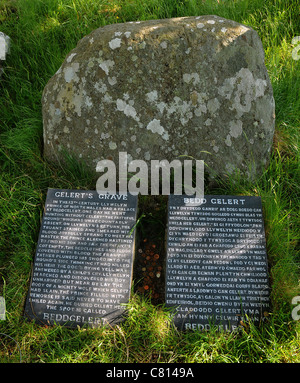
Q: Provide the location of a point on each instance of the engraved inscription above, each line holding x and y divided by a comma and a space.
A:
216, 261
83, 264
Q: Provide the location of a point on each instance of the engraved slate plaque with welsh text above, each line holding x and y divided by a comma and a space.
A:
84, 258
216, 267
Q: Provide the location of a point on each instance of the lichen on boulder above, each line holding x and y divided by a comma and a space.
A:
159, 89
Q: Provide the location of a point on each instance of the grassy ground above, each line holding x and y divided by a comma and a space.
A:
42, 33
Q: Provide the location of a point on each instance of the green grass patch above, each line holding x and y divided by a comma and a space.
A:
42, 33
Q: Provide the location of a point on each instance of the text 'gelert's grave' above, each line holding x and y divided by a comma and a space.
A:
83, 265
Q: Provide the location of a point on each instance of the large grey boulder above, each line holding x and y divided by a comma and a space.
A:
159, 89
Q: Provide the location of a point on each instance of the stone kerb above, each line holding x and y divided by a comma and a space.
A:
4, 48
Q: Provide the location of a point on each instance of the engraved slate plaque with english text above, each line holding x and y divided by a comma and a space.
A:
82, 270
216, 267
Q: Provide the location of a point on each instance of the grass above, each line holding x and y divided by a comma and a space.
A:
42, 33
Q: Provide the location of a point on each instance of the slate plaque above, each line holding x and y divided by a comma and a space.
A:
216, 267
83, 264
